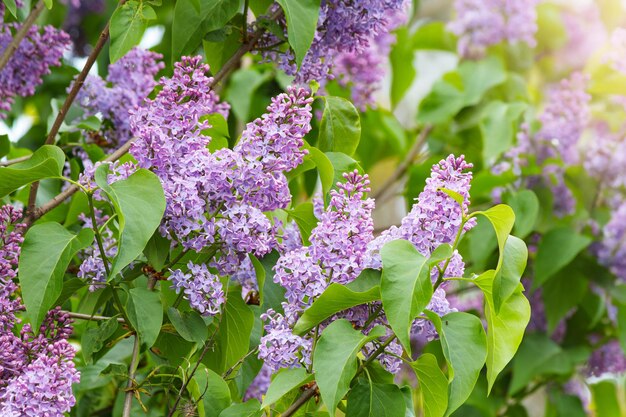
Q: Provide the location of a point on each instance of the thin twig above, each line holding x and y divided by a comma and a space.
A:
21, 34
383, 192
302, 399
207, 346
81, 316
14, 161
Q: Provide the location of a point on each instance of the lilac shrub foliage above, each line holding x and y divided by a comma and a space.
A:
36, 368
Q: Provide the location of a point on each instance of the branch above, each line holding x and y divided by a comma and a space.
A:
306, 396
383, 192
81, 316
15, 161
21, 34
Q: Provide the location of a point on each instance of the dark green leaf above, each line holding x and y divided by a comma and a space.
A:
5, 145
213, 390
128, 23
340, 129
139, 203
46, 162
302, 18
247, 409
189, 325
46, 253
93, 339
194, 18
337, 297
285, 381
557, 248
464, 346
334, 359
375, 400
145, 313
157, 250
405, 288
535, 351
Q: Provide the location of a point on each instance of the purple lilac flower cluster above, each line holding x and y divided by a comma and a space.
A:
482, 23
609, 358
36, 370
216, 200
38, 51
342, 245
351, 41
611, 251
128, 83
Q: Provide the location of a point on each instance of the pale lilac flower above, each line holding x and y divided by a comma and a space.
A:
200, 287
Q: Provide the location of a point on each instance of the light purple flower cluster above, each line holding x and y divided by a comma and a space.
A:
605, 157
349, 32
336, 254
609, 358
92, 268
611, 251
202, 288
36, 371
585, 35
342, 245
482, 23
128, 83
38, 51
216, 201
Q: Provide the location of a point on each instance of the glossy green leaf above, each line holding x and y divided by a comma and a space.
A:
302, 16
46, 162
11, 7
145, 313
189, 325
557, 248
334, 359
247, 409
139, 202
340, 128
375, 400
525, 205
513, 266
92, 340
305, 219
210, 391
433, 385
464, 345
156, 251
5, 145
505, 329
128, 23
46, 253
342, 163
233, 336
195, 18
325, 168
337, 297
406, 288
285, 381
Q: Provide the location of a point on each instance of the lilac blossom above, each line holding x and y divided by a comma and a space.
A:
482, 23
128, 83
202, 288
609, 358
38, 51
259, 385
611, 251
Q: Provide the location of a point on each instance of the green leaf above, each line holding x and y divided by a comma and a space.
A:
284, 382
505, 329
218, 131
260, 273
502, 218
145, 313
342, 163
525, 205
189, 325
139, 203
337, 297
606, 398
402, 71
241, 88
433, 385
5, 145
46, 162
464, 346
375, 400
405, 288
195, 18
557, 248
128, 23
304, 218
499, 126
562, 293
334, 359
91, 123
340, 128
434, 35
302, 18
210, 391
93, 338
46, 253
233, 336
534, 353
48, 4
325, 168
157, 250
247, 409
11, 6
513, 265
